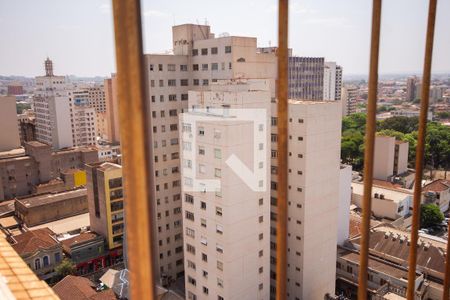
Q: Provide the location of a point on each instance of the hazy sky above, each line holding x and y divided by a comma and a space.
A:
78, 34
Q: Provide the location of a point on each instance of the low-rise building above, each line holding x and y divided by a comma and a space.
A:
21, 170
390, 157
50, 207
80, 288
437, 192
386, 202
40, 250
87, 251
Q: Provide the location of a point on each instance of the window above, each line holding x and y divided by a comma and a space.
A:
220, 283
194, 52
192, 281
37, 263
191, 264
205, 290
161, 83
151, 67
219, 229
173, 112
201, 131
57, 257
190, 232
202, 205
204, 257
160, 67
220, 265
183, 68
214, 50
218, 153
214, 66
184, 97
201, 150
204, 51
189, 215
184, 82
195, 67
204, 67
196, 82
203, 222
205, 81
218, 211
46, 261
190, 248
229, 65
227, 49
171, 82
171, 67
217, 172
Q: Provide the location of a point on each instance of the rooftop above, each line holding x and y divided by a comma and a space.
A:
45, 199
31, 241
438, 185
67, 224
390, 194
79, 239
80, 288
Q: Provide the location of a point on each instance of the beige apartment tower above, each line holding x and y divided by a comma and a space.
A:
198, 60
9, 130
390, 157
226, 218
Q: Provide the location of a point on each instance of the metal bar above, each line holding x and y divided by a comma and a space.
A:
446, 293
369, 149
134, 140
282, 126
420, 149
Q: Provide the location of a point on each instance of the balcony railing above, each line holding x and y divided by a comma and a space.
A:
137, 158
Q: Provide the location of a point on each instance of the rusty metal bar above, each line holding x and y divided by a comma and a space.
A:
282, 106
446, 293
369, 149
134, 140
420, 149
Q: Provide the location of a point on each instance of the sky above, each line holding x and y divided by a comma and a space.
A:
78, 34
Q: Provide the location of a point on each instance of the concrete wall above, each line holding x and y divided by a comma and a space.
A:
383, 165
345, 195
402, 157
9, 131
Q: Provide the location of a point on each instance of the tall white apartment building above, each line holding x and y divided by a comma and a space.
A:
53, 110
332, 81
314, 129
348, 100
198, 59
226, 218
83, 118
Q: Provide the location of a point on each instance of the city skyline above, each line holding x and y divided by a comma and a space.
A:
83, 32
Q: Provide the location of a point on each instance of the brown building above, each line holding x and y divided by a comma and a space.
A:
15, 89
112, 109
40, 250
27, 126
50, 207
20, 171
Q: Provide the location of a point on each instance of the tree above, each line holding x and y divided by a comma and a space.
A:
430, 215
66, 267
401, 124
389, 132
21, 106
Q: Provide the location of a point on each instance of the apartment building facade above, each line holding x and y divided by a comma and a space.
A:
225, 220
306, 78
198, 60
52, 109
332, 81
348, 99
83, 117
313, 194
105, 202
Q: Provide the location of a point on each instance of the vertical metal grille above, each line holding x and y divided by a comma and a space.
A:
282, 95
134, 141
134, 134
420, 149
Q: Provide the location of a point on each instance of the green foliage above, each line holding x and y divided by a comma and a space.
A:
437, 148
384, 108
443, 115
66, 267
430, 215
21, 106
401, 124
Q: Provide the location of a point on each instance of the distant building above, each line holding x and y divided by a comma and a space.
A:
437, 192
84, 118
332, 81
27, 126
386, 202
53, 109
9, 132
411, 93
112, 111
390, 157
46, 208
15, 89
349, 96
40, 250
105, 201
21, 170
306, 78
